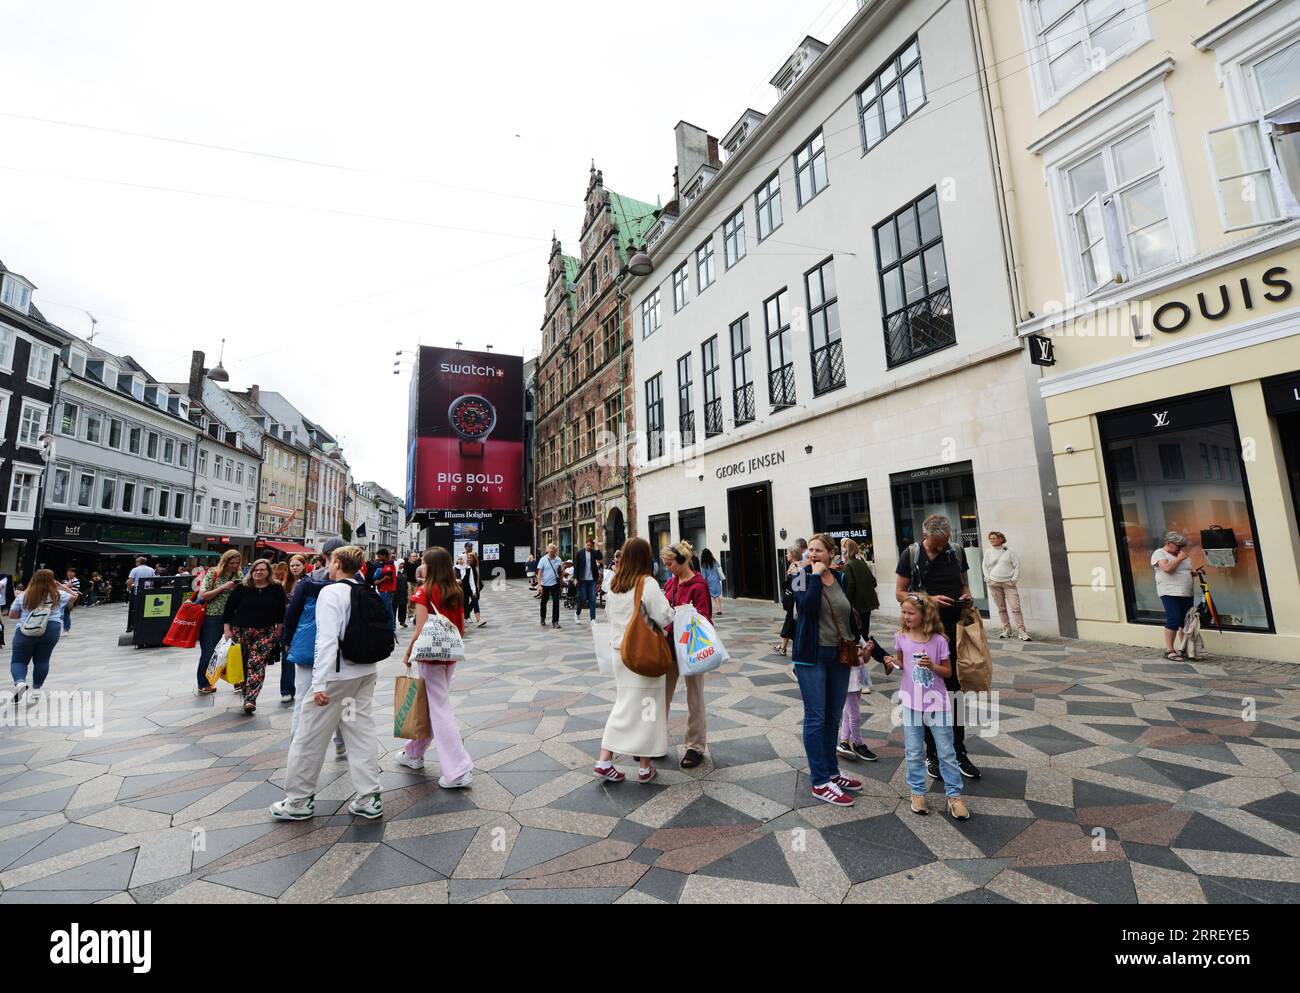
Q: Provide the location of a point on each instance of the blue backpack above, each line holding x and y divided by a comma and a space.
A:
302, 648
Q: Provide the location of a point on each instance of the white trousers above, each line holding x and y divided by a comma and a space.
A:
301, 694
351, 712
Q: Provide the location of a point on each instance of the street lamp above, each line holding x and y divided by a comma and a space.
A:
218, 372
640, 264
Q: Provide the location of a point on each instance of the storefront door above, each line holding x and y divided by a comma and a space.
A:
753, 549
948, 491
1282, 395
661, 532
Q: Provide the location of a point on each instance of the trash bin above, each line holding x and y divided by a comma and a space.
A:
154, 607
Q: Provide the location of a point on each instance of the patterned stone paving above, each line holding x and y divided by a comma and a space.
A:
1114, 777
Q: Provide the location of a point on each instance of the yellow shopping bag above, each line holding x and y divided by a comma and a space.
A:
234, 673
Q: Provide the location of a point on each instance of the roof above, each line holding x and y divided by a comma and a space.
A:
571, 267
634, 218
33, 314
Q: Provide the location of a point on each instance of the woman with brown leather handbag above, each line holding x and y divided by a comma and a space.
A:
639, 615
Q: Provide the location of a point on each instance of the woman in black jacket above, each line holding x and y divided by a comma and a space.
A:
253, 619
787, 599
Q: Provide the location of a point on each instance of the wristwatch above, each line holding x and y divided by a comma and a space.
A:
473, 418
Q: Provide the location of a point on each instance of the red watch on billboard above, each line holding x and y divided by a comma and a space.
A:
473, 418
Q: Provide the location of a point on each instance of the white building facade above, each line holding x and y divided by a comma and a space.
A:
827, 341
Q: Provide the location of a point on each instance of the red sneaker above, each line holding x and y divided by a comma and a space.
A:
832, 794
845, 783
611, 774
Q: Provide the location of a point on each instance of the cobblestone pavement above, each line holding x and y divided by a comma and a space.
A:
1113, 776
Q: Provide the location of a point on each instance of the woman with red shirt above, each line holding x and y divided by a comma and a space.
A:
443, 591
688, 586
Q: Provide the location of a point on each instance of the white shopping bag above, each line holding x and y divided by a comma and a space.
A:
600, 634
699, 649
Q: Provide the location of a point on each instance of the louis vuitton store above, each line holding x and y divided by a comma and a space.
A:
1195, 429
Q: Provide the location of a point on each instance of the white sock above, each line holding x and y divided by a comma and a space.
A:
603, 765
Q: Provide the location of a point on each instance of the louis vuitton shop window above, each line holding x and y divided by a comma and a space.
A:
1176, 466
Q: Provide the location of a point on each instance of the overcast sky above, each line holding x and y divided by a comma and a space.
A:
464, 130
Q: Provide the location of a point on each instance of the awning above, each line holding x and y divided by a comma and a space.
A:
86, 547
161, 551
289, 548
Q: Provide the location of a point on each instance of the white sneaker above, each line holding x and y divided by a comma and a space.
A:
410, 763
285, 699
34, 696
294, 810
20, 689
480, 623
1024, 635
459, 783
370, 807
1005, 632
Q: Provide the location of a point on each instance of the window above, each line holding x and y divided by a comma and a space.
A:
7, 339
1171, 462
591, 431
810, 168
164, 501
824, 326
704, 269
1119, 217
685, 408
128, 497
146, 501
234, 515
610, 347
203, 462
68, 422
733, 238
742, 373
230, 469
216, 466
179, 502
767, 206
611, 418
32, 425
184, 456
115, 433
214, 513
108, 493
133, 440
650, 315
239, 473
198, 510
1075, 39
681, 287
22, 491
15, 294
892, 95
169, 451
225, 513
40, 366
588, 364
780, 357
151, 446
86, 489
59, 489
654, 417
712, 394
913, 283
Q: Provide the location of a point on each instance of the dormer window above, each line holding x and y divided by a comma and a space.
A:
126, 383
16, 292
95, 369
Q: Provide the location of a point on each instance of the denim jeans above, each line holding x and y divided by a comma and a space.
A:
34, 652
940, 726
210, 632
288, 679
388, 604
67, 618
587, 594
823, 684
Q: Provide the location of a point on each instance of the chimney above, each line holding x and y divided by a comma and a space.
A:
697, 158
196, 376
254, 394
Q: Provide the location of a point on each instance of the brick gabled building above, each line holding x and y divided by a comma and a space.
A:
584, 485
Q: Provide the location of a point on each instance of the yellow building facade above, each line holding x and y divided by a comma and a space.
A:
1149, 153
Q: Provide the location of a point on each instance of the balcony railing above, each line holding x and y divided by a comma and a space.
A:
713, 417
780, 387
743, 401
687, 425
926, 326
828, 368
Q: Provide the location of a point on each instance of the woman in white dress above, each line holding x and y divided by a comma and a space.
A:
638, 724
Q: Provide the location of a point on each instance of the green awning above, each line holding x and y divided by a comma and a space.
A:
164, 551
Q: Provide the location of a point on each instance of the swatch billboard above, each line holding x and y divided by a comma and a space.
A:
467, 432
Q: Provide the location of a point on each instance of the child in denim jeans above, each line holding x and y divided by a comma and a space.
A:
921, 648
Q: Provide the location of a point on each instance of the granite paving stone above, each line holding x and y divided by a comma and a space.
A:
1112, 775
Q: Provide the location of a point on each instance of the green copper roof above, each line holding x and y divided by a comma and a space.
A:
634, 218
571, 267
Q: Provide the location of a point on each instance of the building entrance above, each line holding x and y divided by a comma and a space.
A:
751, 571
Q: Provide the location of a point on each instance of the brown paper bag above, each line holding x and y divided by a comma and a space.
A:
411, 709
974, 660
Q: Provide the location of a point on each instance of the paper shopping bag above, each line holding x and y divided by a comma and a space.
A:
601, 638
699, 650
974, 660
234, 674
411, 709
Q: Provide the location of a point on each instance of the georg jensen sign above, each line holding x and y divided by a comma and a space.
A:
743, 468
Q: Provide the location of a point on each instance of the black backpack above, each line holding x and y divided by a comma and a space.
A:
368, 638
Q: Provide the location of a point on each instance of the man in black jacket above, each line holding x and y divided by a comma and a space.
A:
586, 570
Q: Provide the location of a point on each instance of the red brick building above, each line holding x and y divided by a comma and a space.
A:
585, 395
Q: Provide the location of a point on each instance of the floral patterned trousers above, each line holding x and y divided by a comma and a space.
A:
257, 644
